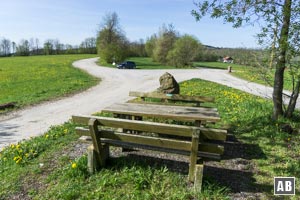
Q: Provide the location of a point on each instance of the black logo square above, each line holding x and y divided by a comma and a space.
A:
284, 185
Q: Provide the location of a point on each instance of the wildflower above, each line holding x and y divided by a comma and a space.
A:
46, 136
18, 146
65, 131
17, 159
12, 146
74, 165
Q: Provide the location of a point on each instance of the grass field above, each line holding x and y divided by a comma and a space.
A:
29, 80
263, 76
46, 168
218, 65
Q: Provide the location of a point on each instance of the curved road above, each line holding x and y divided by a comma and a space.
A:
114, 87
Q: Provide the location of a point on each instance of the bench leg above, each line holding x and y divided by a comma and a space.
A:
194, 155
93, 164
100, 152
198, 177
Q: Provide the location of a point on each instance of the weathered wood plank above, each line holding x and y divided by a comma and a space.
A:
194, 155
152, 127
198, 177
176, 97
213, 134
91, 162
93, 128
181, 113
211, 148
146, 140
171, 129
210, 155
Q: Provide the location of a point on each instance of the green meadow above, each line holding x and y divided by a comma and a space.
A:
30, 80
47, 167
259, 75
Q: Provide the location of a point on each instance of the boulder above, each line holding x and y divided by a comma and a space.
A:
168, 84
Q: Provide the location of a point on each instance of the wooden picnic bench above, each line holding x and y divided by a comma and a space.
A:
199, 144
172, 97
199, 115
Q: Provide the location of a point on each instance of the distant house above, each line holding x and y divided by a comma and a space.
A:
227, 59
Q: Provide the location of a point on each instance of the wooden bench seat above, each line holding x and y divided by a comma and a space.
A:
197, 145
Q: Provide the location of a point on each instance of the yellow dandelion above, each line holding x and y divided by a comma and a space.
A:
46, 136
66, 131
74, 165
18, 160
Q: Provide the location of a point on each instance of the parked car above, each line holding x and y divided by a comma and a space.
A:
127, 65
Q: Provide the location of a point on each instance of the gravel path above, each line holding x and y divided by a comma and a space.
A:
114, 87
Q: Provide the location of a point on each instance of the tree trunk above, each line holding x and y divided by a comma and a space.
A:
293, 100
277, 93
280, 66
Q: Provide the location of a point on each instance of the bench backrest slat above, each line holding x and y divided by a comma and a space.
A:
176, 97
146, 140
118, 139
206, 148
171, 129
152, 127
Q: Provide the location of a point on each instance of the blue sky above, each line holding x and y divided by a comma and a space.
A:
71, 21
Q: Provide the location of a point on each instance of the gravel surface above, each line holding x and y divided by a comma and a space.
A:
113, 88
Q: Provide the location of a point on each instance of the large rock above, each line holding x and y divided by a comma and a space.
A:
168, 84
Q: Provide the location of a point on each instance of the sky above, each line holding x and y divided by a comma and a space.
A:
71, 21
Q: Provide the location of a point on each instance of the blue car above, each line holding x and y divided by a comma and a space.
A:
127, 65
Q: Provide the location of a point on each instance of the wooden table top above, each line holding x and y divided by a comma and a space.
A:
181, 113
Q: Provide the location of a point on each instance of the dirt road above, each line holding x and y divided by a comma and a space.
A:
114, 87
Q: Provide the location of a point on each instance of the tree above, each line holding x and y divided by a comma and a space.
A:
58, 47
184, 51
88, 45
137, 49
150, 45
278, 19
164, 43
5, 47
49, 47
23, 48
34, 46
112, 44
14, 47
